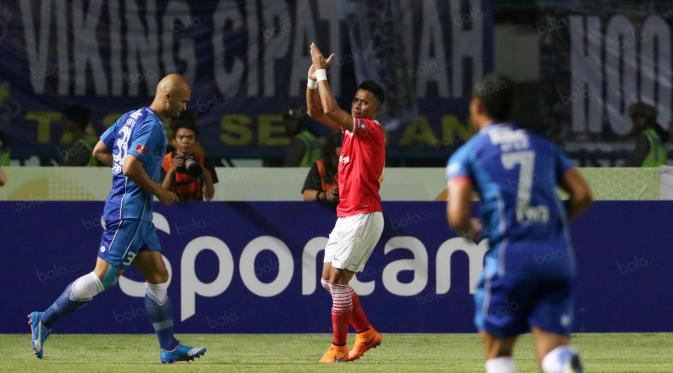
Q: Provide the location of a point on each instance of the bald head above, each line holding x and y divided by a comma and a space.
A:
172, 95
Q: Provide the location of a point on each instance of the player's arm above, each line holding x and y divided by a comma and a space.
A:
134, 170
313, 104
167, 182
330, 108
102, 153
580, 196
458, 212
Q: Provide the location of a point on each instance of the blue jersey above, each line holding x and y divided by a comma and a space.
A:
515, 174
141, 134
529, 269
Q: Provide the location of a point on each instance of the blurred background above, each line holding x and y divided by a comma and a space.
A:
70, 68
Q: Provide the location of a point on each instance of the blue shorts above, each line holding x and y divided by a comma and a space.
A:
531, 287
123, 239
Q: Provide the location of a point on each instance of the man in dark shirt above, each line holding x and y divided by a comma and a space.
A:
79, 151
321, 183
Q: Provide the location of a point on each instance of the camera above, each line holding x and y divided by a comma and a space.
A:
191, 166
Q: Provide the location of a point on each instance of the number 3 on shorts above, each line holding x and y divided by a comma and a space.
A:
129, 258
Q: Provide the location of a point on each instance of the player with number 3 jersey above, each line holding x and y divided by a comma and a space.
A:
134, 148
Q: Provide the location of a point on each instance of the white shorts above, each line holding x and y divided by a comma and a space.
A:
352, 240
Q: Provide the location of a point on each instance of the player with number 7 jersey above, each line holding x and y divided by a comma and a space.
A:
529, 269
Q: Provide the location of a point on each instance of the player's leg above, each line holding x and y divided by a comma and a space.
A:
551, 322
364, 232
150, 264
358, 320
157, 304
81, 291
501, 312
498, 353
554, 353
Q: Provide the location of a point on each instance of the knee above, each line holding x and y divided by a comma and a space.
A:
338, 276
325, 285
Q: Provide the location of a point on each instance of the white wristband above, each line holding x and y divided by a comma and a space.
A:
321, 74
311, 84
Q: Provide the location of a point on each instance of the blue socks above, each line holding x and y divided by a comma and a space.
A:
75, 296
61, 307
158, 308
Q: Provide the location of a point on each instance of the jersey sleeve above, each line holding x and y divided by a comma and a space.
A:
366, 129
108, 137
459, 166
143, 140
563, 164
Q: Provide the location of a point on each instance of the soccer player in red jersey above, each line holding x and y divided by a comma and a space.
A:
359, 219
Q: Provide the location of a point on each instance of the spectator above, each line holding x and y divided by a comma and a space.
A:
650, 150
184, 168
305, 146
79, 151
321, 182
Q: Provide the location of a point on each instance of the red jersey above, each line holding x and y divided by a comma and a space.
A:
363, 156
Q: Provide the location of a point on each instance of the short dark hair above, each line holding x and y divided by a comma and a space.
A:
78, 114
375, 88
187, 120
495, 91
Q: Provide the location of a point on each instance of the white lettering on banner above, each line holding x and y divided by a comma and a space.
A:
275, 39
86, 47
432, 40
142, 46
606, 64
115, 50
252, 26
303, 35
228, 81
247, 266
309, 278
419, 266
475, 255
191, 285
142, 41
177, 13
620, 73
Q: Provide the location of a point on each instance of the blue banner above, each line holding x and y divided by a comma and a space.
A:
254, 268
247, 60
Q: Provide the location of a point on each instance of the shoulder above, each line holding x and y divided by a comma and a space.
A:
366, 123
468, 149
540, 143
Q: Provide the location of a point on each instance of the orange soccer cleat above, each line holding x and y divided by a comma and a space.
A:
365, 341
335, 354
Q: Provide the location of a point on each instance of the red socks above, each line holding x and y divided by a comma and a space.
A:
358, 318
342, 309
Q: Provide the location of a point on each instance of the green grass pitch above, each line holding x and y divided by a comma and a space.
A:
613, 353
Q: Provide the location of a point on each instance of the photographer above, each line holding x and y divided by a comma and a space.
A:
321, 183
184, 168
305, 145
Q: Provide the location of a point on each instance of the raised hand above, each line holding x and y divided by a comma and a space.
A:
318, 60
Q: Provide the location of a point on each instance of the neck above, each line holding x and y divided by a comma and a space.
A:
158, 110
